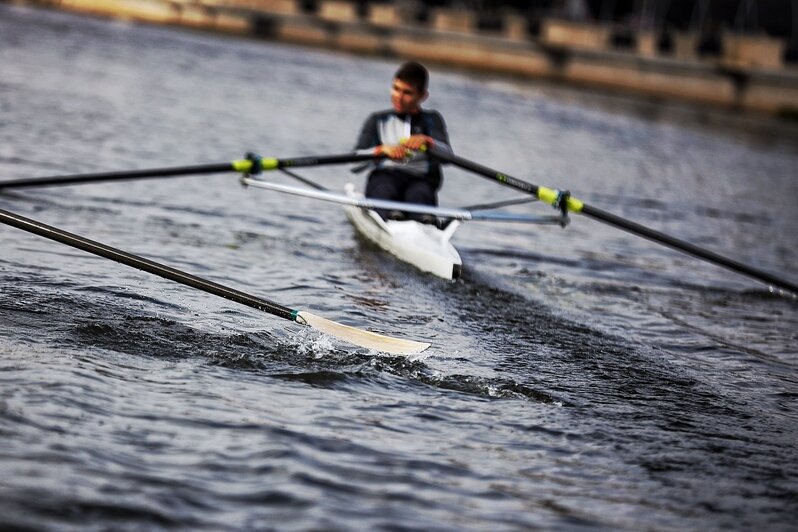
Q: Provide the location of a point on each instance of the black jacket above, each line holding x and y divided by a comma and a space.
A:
386, 127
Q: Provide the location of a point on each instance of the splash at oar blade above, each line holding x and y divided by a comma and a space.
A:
360, 337
346, 333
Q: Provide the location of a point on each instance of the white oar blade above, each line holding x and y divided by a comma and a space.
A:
359, 337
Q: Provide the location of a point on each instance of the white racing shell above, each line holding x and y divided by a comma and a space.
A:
424, 246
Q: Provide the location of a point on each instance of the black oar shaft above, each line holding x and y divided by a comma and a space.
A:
117, 176
123, 257
686, 247
344, 158
490, 173
624, 224
253, 164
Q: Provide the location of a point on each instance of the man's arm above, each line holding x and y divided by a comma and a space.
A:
439, 134
438, 138
369, 137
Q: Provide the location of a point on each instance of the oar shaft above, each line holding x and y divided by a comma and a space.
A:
575, 205
686, 247
117, 255
547, 195
320, 160
241, 165
117, 176
490, 173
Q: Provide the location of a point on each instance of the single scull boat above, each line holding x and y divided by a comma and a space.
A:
425, 246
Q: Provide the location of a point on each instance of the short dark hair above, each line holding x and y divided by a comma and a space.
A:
414, 74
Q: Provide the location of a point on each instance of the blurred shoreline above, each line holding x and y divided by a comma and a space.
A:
748, 79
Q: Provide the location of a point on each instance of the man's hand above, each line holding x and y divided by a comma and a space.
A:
394, 152
417, 142
402, 151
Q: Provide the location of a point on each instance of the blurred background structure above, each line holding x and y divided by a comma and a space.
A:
734, 54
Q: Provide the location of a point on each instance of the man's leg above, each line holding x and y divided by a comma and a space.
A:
423, 192
387, 185
384, 185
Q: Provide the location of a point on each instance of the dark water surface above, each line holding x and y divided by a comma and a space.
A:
579, 378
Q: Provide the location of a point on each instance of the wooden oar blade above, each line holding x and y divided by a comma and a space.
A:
359, 337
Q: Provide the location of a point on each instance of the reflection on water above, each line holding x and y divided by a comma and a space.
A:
578, 378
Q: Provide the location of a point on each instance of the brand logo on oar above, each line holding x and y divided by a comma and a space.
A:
303, 161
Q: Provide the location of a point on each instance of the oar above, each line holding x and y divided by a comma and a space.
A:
252, 164
344, 332
564, 201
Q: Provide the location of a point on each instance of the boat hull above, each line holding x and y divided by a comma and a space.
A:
424, 246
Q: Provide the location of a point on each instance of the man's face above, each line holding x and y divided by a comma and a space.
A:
405, 98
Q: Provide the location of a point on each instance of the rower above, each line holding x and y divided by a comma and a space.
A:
401, 133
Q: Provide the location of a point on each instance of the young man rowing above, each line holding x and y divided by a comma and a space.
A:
407, 174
